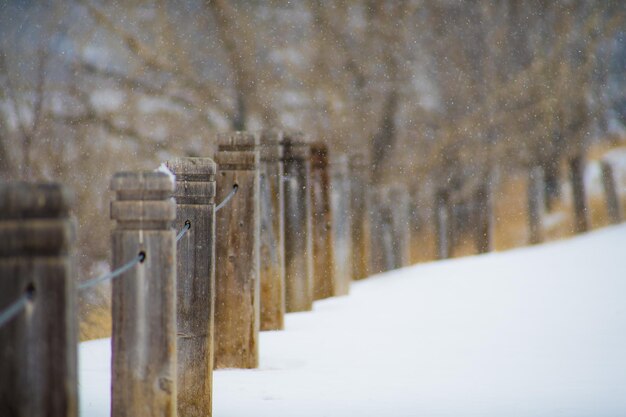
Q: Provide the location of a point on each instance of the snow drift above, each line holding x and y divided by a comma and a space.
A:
535, 331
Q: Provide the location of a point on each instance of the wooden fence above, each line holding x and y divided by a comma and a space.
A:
194, 283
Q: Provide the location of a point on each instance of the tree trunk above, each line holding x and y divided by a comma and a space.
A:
613, 203
552, 189
484, 218
536, 205
443, 227
577, 169
385, 138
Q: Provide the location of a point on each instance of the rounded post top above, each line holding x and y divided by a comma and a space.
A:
237, 141
294, 138
295, 147
143, 198
237, 151
51, 231
143, 185
271, 146
193, 169
195, 180
23, 200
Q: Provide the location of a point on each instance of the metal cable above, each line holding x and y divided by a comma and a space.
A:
14, 309
119, 271
113, 274
184, 230
228, 197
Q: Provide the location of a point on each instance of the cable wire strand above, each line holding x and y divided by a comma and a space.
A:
228, 197
137, 259
14, 309
113, 274
184, 230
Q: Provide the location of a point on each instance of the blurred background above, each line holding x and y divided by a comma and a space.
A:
441, 95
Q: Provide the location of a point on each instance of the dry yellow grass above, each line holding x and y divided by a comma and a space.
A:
509, 210
95, 322
510, 229
423, 247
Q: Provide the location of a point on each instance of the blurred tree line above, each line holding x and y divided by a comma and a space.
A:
444, 94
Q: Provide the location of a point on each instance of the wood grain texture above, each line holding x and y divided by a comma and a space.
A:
298, 236
143, 343
195, 283
237, 279
324, 281
272, 239
340, 197
38, 359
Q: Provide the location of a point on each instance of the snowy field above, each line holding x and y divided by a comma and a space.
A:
536, 331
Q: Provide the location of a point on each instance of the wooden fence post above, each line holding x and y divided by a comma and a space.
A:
443, 224
536, 205
340, 197
398, 203
613, 203
143, 361
195, 282
484, 218
576, 168
298, 236
237, 279
360, 217
323, 252
38, 345
272, 232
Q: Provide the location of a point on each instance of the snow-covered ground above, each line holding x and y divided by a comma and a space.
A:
537, 331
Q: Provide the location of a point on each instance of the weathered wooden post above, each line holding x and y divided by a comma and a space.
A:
442, 224
340, 197
298, 236
360, 217
484, 217
398, 203
143, 376
195, 282
272, 232
323, 252
613, 203
536, 205
577, 168
38, 344
237, 279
